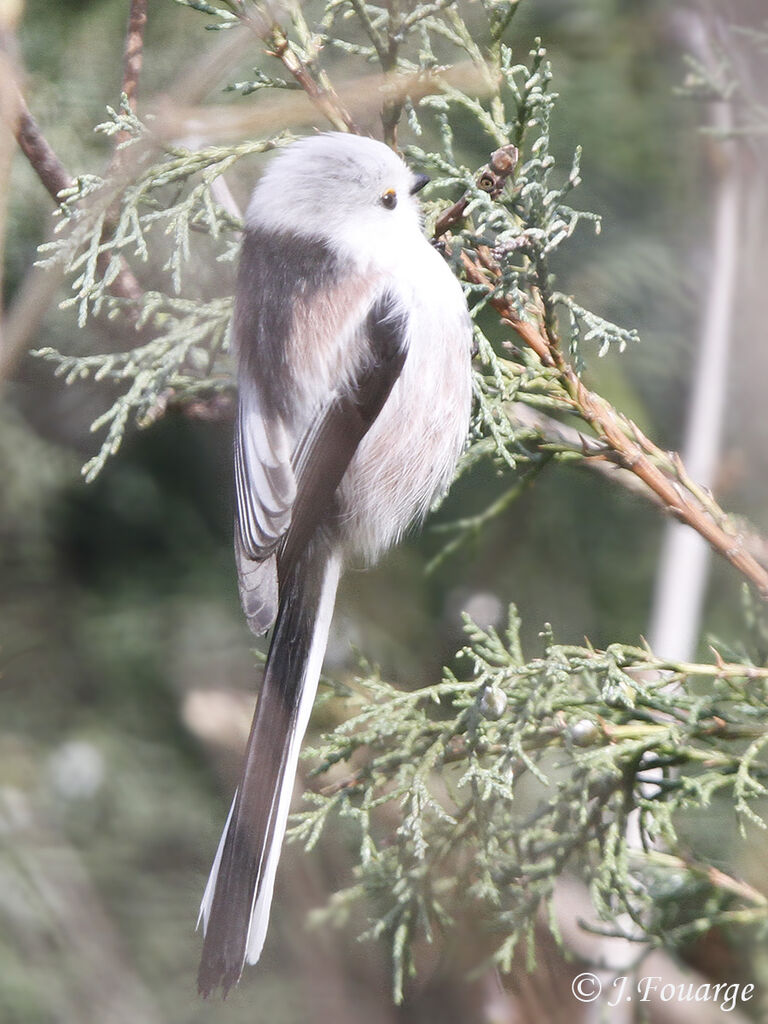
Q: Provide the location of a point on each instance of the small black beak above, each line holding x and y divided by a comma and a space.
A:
419, 181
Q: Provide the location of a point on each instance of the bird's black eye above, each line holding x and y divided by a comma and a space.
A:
389, 199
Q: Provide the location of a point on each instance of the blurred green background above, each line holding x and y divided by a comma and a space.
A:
119, 617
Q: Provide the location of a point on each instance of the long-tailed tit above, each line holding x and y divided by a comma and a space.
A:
353, 344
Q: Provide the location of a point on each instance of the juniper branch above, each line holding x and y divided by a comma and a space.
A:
133, 54
447, 760
662, 472
134, 51
58, 181
278, 45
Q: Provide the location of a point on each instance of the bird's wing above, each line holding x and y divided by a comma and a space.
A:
265, 488
328, 446
284, 486
265, 484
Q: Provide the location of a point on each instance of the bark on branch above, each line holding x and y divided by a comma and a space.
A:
35, 147
133, 56
662, 472
490, 179
279, 45
47, 165
134, 50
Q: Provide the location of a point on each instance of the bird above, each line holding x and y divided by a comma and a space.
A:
352, 341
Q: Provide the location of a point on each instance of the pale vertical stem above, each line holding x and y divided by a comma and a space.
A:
683, 568
684, 562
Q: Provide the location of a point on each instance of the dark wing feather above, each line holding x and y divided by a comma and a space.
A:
282, 495
276, 269
328, 447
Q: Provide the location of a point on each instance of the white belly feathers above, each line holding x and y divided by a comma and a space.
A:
408, 457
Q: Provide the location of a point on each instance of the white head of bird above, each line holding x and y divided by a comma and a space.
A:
345, 189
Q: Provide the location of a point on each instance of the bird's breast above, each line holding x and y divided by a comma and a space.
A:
409, 456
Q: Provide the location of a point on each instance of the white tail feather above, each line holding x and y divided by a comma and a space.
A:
210, 885
262, 904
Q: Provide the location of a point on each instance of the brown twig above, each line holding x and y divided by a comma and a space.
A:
35, 147
56, 179
133, 56
598, 457
325, 99
323, 96
134, 50
39, 288
491, 179
637, 454
631, 448
44, 161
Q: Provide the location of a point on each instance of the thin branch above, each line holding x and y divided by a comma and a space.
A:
39, 289
640, 455
491, 179
683, 570
325, 99
133, 55
134, 50
599, 458
379, 43
39, 152
631, 448
278, 44
56, 179
530, 334
173, 120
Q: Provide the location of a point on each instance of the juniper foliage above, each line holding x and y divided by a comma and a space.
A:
526, 767
155, 203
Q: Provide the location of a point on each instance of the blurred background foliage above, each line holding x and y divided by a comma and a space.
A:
118, 600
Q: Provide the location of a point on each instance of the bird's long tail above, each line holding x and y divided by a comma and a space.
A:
238, 896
